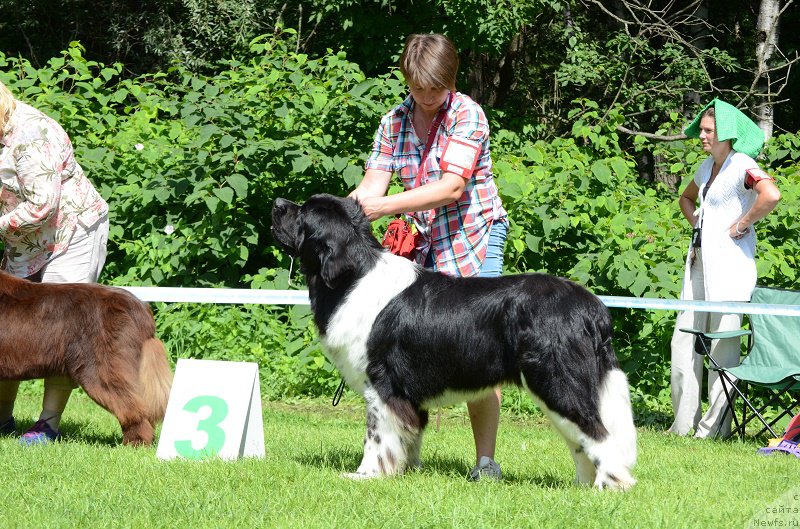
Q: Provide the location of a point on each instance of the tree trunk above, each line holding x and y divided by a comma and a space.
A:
491, 78
766, 43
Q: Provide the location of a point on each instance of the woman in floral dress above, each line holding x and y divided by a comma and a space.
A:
54, 226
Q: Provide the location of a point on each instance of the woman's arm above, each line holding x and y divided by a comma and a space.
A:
441, 192
688, 202
767, 197
40, 185
374, 184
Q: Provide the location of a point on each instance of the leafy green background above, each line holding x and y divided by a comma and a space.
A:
190, 164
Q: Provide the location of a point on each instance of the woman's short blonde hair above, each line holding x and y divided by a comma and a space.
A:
7, 105
430, 61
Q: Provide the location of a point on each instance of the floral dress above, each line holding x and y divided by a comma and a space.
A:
44, 193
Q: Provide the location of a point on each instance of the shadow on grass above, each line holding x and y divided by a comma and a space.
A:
343, 460
91, 437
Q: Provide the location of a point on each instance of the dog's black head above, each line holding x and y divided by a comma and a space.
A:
331, 236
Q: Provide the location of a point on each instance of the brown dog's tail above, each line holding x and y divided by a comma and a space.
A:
155, 379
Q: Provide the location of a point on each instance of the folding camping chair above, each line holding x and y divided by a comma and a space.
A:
772, 361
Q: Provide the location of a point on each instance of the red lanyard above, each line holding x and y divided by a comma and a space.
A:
432, 137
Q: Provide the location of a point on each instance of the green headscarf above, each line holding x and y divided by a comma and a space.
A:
746, 137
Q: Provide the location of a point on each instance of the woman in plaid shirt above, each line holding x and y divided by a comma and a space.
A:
54, 225
455, 206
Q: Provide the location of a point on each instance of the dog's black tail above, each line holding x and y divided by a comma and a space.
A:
155, 379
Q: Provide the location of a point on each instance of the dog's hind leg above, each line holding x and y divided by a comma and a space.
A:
599, 460
393, 432
155, 379
148, 397
138, 433
113, 383
126, 406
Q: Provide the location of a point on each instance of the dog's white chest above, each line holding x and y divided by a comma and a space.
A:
345, 340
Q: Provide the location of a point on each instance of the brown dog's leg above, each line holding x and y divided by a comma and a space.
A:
155, 379
134, 386
113, 382
126, 406
142, 433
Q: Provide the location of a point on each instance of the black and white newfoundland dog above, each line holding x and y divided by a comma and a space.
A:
409, 339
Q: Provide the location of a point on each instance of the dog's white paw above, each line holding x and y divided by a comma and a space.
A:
359, 476
620, 480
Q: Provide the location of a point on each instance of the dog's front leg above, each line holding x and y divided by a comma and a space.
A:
414, 437
385, 446
585, 469
370, 465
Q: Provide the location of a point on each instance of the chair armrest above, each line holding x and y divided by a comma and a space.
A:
718, 335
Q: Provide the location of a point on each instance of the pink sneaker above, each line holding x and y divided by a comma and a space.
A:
39, 433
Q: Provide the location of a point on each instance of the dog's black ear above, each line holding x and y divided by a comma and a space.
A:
299, 237
335, 264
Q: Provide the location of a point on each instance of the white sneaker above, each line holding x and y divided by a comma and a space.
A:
486, 468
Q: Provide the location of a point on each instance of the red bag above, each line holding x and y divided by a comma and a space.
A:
400, 238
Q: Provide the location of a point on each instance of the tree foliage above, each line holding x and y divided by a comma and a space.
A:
191, 164
526, 59
190, 160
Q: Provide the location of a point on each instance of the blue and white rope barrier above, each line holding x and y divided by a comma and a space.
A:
300, 297
220, 295
728, 307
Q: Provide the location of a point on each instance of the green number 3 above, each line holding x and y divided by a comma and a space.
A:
216, 435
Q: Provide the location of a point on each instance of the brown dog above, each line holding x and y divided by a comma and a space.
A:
101, 337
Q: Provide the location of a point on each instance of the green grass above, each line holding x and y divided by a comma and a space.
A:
90, 480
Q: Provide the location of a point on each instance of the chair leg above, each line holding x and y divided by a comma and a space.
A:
768, 425
706, 348
786, 410
731, 407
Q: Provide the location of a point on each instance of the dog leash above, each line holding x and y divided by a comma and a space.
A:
337, 395
291, 266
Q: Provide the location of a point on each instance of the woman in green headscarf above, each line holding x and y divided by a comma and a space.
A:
728, 195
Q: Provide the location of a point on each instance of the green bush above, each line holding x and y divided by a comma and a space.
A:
190, 166
281, 340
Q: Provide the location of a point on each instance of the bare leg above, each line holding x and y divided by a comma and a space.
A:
57, 391
8, 395
484, 416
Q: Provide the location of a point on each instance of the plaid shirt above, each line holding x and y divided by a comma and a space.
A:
457, 233
44, 193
